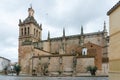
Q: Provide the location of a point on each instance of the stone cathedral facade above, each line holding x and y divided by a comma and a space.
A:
60, 56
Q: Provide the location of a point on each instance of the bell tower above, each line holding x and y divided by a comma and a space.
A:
29, 29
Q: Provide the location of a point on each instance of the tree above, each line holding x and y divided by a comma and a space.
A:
17, 68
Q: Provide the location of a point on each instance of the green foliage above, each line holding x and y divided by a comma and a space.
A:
17, 68
91, 68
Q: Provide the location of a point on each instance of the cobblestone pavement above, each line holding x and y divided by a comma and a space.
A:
51, 78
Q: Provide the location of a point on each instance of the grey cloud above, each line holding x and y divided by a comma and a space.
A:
83, 13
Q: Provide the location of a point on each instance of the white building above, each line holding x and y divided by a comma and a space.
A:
4, 63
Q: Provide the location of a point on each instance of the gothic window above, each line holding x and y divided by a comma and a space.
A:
36, 33
25, 30
28, 30
84, 51
22, 31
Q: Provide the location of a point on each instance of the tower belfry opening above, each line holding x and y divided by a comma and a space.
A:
30, 30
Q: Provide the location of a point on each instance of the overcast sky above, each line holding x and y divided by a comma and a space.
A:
54, 15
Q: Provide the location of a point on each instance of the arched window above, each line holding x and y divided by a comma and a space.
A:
36, 33
22, 32
84, 51
28, 31
25, 30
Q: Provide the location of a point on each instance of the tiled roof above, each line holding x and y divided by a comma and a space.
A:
113, 8
30, 19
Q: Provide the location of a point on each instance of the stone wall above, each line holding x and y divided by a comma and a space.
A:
64, 65
54, 66
46, 46
105, 69
70, 43
67, 65
26, 52
57, 46
41, 52
82, 64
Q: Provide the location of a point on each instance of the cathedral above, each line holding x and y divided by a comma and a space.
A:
60, 56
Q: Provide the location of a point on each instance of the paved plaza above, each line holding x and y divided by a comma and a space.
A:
51, 78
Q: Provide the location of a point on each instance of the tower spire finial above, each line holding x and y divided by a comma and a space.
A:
81, 37
104, 27
63, 32
81, 30
48, 35
31, 5
30, 11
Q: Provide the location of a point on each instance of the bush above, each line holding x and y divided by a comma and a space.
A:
92, 69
